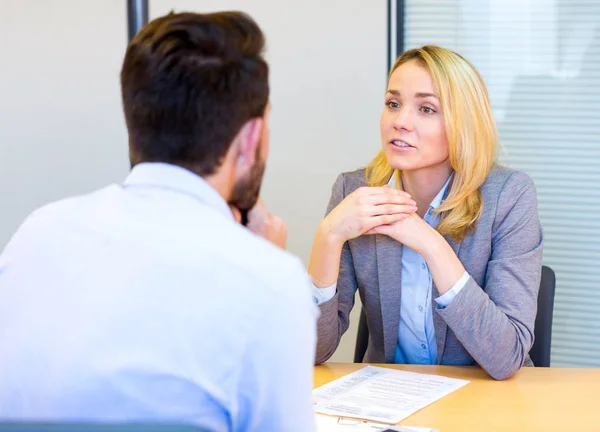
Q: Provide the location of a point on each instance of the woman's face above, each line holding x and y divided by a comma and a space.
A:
413, 135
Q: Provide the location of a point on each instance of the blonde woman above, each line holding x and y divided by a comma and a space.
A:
444, 245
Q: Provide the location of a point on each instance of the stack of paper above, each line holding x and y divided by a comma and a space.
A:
381, 394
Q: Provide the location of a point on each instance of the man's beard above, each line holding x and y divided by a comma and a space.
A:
247, 190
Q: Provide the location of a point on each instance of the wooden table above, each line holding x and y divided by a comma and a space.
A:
535, 399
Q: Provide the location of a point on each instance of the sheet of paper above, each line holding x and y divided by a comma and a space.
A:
330, 424
382, 394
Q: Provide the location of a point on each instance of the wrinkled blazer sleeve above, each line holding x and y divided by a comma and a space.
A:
335, 313
495, 322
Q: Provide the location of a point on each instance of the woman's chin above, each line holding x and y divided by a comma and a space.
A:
402, 163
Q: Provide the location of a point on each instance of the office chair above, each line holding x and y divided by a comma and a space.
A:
540, 351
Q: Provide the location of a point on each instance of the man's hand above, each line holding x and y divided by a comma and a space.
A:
236, 213
264, 224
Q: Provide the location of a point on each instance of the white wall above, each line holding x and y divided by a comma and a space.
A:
62, 130
61, 127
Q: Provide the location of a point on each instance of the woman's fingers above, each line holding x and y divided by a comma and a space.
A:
385, 198
388, 209
380, 190
375, 224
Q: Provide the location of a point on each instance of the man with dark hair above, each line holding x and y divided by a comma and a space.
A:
148, 301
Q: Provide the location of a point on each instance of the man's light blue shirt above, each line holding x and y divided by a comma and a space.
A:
146, 302
416, 333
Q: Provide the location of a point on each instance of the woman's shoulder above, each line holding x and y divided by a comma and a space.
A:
352, 180
502, 183
506, 181
508, 191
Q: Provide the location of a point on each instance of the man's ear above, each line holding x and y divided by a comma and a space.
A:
248, 140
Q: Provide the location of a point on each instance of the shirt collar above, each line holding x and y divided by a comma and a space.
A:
167, 176
437, 200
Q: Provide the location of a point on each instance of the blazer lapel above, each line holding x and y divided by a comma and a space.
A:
389, 272
441, 328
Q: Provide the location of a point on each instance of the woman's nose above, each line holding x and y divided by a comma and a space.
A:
404, 119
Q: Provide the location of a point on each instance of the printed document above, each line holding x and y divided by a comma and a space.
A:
382, 394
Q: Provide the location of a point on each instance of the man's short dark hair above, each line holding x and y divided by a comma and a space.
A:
189, 82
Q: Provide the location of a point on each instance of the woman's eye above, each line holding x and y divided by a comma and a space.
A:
427, 110
392, 104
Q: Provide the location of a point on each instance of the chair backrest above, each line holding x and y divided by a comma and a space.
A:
93, 427
362, 338
540, 351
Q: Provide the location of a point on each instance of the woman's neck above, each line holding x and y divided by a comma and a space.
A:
424, 184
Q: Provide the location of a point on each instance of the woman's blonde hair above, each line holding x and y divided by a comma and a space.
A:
470, 131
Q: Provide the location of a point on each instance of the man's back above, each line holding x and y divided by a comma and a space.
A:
146, 301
